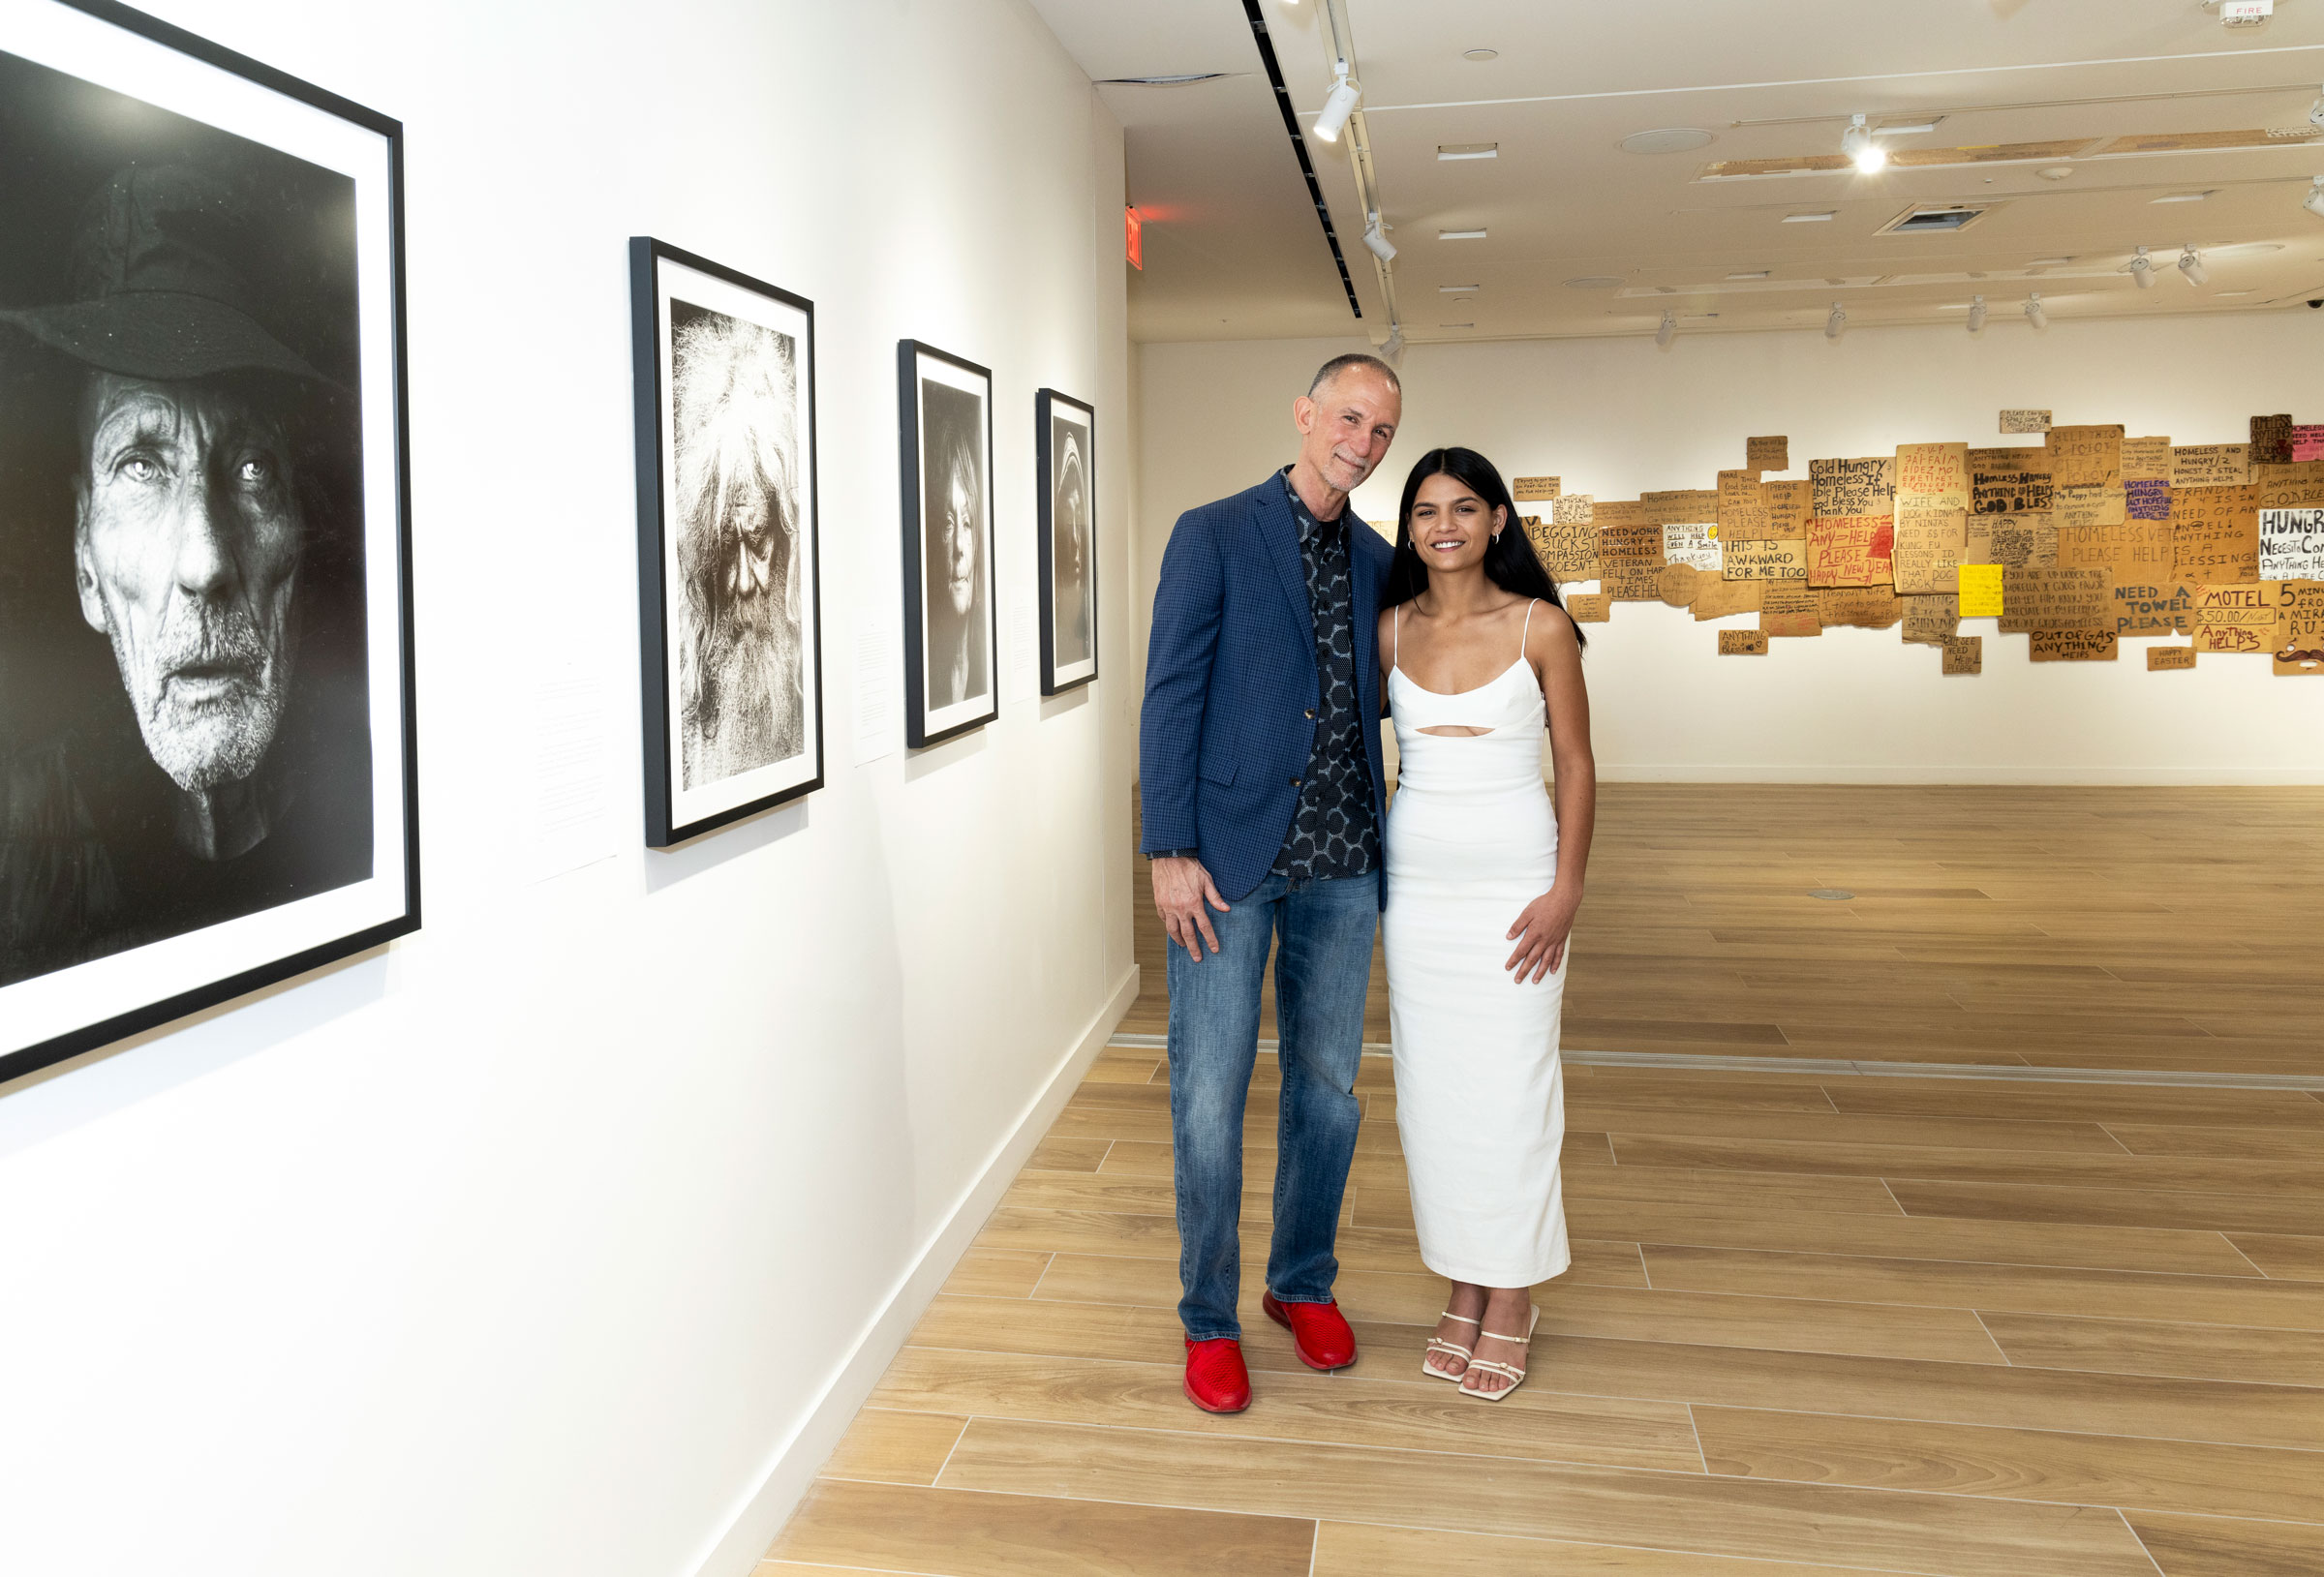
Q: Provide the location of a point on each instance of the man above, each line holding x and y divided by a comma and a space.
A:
1261, 781
174, 803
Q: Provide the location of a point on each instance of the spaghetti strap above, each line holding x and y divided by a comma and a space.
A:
1528, 631
1395, 636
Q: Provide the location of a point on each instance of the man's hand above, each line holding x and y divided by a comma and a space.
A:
1181, 888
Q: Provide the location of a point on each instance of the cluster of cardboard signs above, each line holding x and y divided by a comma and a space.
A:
2077, 542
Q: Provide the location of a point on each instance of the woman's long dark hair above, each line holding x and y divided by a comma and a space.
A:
1509, 561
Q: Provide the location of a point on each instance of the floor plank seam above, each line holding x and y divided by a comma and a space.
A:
1694, 1428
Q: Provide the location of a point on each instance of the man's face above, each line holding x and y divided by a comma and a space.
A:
1345, 429
186, 552
958, 541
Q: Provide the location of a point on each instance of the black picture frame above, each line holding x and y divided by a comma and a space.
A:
59, 999
755, 324
934, 713
1054, 468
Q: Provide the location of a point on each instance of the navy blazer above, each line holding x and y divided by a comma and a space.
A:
1231, 689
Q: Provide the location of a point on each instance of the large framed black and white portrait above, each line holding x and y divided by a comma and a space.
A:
727, 562
207, 773
1063, 454
951, 631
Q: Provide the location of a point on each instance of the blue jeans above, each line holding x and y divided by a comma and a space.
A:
1325, 964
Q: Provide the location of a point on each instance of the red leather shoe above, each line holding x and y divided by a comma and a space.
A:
1216, 1381
1319, 1331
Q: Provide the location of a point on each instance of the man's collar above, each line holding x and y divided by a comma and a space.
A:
1298, 506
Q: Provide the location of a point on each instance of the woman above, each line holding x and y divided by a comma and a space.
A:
1484, 880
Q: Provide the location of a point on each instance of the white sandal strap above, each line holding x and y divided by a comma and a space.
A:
1496, 1368
1439, 1344
1463, 1319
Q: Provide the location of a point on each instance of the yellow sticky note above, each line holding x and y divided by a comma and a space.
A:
1980, 591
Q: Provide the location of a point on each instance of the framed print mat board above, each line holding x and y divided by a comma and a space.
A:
1066, 456
728, 603
206, 773
951, 633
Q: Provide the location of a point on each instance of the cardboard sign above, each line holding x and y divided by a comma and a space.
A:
1640, 544
1695, 544
2307, 442
1869, 607
2214, 534
1742, 507
1573, 509
1765, 454
1854, 489
1681, 505
1964, 654
1676, 584
2024, 421
1766, 561
1532, 489
1742, 643
1589, 607
1610, 512
2291, 544
2074, 646
2019, 541
1790, 609
2008, 481
2153, 608
1932, 621
2057, 599
1717, 597
2299, 486
1631, 581
1852, 551
2085, 456
1928, 548
2079, 506
2145, 460
2235, 619
2133, 550
2163, 659
2272, 440
2211, 464
1933, 474
1980, 591
2298, 642
1568, 553
1790, 506
2146, 497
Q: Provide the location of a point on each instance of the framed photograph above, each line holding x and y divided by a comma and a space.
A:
951, 632
206, 739
728, 601
1064, 462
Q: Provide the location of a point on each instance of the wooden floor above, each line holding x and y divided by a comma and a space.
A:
1817, 1322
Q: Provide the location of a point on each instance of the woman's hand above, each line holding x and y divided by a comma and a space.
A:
1540, 933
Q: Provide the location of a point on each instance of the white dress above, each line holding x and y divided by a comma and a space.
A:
1472, 838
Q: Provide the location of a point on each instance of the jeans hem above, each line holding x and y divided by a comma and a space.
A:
1222, 1336
1281, 1298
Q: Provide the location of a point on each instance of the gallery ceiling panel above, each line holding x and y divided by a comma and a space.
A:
2076, 130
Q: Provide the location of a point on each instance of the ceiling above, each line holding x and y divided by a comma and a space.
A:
1233, 249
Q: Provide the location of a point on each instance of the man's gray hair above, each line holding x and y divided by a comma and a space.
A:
1337, 365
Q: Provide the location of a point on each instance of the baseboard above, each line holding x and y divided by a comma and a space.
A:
752, 1527
1949, 774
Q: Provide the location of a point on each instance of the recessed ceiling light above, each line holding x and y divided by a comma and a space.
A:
1594, 281
2183, 197
1456, 325
2049, 263
1807, 219
1481, 55
1460, 236
2225, 295
1468, 150
1458, 289
1907, 128
1757, 273
2055, 172
2247, 249
1667, 139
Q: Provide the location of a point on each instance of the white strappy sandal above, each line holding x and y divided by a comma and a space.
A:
1437, 1344
1510, 1372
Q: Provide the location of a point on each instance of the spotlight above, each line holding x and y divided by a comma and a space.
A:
2190, 264
2315, 113
1375, 236
1859, 144
2314, 202
2034, 313
1836, 323
1345, 96
1664, 335
1976, 314
2142, 270
1391, 349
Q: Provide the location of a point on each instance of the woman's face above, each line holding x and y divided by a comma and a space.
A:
958, 535
1451, 526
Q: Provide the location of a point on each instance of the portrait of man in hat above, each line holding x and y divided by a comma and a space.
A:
182, 730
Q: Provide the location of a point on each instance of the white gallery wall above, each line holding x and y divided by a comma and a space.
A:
1617, 418
564, 1236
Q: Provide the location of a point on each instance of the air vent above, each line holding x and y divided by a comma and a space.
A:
1928, 221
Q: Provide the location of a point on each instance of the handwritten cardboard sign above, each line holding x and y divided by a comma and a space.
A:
2210, 465
2153, 607
1980, 591
2163, 659
2008, 481
2085, 456
1852, 489
1928, 548
1869, 607
2235, 619
1964, 654
2019, 541
1568, 553
1695, 544
2272, 440
2133, 549
2291, 544
2145, 460
2298, 643
1768, 560
1717, 597
2053, 599
1589, 607
1533, 489
2297, 486
2146, 497
1852, 550
2024, 421
1681, 505
1612, 512
1630, 544
1676, 584
1790, 506
1766, 454
1932, 621
2079, 506
2074, 646
1573, 509
2214, 533
2307, 442
1742, 507
1637, 580
1789, 608
1742, 643
1933, 474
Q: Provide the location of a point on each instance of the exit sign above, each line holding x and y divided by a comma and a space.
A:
1133, 239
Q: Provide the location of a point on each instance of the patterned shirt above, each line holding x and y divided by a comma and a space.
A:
1333, 834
